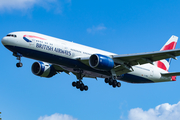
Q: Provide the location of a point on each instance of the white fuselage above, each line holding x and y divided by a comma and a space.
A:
64, 51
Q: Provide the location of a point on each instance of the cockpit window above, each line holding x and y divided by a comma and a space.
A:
11, 35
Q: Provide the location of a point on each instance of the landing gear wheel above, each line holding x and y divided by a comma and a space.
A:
81, 86
77, 84
74, 84
114, 83
81, 89
106, 80
85, 87
19, 65
118, 84
110, 81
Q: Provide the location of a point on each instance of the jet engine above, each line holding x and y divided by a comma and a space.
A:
43, 69
101, 62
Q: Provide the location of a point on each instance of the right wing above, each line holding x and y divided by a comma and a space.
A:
124, 63
148, 57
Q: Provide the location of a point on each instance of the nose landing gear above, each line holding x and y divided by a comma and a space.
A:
18, 55
19, 64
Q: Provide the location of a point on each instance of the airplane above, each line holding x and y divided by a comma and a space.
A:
55, 55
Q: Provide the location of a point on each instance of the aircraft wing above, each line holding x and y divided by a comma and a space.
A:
143, 58
60, 69
124, 63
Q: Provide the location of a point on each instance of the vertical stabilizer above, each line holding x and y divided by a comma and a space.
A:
170, 44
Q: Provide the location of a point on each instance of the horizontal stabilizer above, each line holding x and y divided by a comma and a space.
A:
170, 74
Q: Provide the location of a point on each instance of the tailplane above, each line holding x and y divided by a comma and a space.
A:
170, 44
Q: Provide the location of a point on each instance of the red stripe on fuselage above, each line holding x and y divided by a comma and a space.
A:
31, 36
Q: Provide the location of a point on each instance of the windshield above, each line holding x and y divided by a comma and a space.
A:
11, 35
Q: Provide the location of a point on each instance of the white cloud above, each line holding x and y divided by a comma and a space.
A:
28, 4
161, 112
96, 29
17, 4
57, 116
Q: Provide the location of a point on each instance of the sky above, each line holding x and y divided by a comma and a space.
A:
118, 26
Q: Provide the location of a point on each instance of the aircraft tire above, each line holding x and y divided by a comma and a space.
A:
106, 80
74, 84
81, 86
81, 89
118, 84
114, 86
19, 65
85, 87
77, 84
114, 82
110, 81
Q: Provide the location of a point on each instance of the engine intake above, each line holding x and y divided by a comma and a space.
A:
43, 69
101, 62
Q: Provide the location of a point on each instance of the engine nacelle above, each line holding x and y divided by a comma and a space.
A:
101, 62
43, 69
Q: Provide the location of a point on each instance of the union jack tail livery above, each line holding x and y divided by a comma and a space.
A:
170, 44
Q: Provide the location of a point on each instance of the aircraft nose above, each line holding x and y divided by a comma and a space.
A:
3, 41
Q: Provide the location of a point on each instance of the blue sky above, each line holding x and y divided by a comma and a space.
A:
120, 27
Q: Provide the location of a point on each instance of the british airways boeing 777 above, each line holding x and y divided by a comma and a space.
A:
57, 55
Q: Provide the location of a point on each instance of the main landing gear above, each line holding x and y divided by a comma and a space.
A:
79, 84
18, 55
112, 82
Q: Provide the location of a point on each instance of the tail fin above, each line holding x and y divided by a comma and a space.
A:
170, 44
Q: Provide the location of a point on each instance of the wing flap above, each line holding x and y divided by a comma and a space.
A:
119, 70
60, 69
